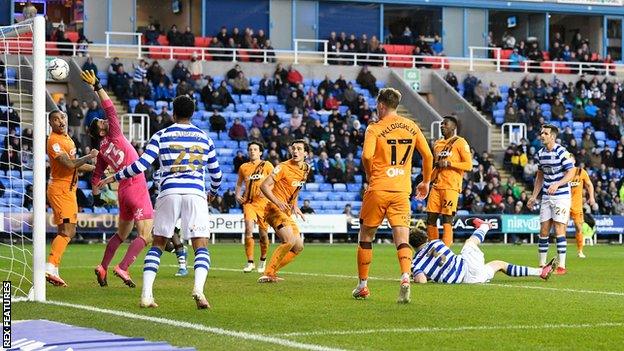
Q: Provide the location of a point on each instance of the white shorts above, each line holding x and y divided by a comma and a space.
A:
557, 209
192, 212
476, 270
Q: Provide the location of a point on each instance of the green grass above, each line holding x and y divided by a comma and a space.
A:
322, 303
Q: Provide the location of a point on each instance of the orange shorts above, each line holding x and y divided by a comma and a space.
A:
393, 205
277, 219
64, 205
577, 217
254, 211
442, 201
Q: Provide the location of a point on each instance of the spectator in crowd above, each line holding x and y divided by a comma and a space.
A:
293, 77
88, 65
188, 38
217, 123
238, 131
239, 159
266, 85
180, 72
240, 84
306, 209
174, 36
367, 81
151, 35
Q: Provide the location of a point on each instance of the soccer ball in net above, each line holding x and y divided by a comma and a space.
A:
58, 69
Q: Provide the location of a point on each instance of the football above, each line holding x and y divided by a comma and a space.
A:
58, 69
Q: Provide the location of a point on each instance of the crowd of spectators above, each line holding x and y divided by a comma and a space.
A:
578, 50
344, 48
597, 103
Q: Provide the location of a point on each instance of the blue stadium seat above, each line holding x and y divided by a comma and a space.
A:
326, 187
312, 187
340, 187
545, 107
306, 196
318, 178
334, 197
600, 135
600, 143
235, 211
611, 144
358, 177
99, 210
353, 187
114, 210
350, 196
320, 196
271, 98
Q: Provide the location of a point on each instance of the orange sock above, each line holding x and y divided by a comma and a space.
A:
264, 247
404, 253
276, 259
249, 248
364, 259
287, 259
59, 244
580, 242
447, 237
432, 232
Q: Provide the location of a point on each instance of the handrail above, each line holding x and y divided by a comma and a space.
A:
344, 58
137, 131
513, 136
137, 34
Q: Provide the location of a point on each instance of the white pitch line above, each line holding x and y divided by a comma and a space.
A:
456, 329
199, 327
344, 276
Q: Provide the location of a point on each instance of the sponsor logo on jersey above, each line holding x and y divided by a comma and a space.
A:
445, 153
297, 183
394, 172
255, 177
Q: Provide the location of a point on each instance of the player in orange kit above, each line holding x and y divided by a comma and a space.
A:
282, 189
253, 173
64, 167
387, 161
452, 157
581, 180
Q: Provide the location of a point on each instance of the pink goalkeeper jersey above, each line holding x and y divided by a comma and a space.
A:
115, 150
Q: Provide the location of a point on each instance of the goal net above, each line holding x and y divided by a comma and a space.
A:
22, 158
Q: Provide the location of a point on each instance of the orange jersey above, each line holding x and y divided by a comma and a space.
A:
253, 174
289, 178
457, 152
61, 177
388, 148
581, 178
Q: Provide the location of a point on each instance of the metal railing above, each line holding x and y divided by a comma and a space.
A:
332, 58
513, 133
138, 35
138, 126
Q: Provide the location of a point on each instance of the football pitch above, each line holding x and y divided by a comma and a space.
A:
313, 309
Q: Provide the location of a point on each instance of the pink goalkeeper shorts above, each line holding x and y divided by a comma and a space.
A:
134, 202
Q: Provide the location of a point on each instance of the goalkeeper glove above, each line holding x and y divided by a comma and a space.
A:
90, 78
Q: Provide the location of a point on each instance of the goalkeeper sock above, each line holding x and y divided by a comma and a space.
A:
59, 244
111, 247
150, 268
202, 265
136, 246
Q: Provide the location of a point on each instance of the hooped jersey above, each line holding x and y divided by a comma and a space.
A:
253, 174
390, 144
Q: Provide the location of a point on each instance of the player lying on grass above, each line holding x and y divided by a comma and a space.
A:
435, 261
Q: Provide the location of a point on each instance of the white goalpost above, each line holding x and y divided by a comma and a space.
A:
23, 158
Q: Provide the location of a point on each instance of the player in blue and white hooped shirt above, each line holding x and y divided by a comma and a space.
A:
555, 171
185, 153
434, 261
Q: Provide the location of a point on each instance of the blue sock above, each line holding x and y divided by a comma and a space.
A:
521, 271
202, 265
150, 268
479, 234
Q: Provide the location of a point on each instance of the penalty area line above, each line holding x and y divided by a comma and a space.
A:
455, 329
198, 327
